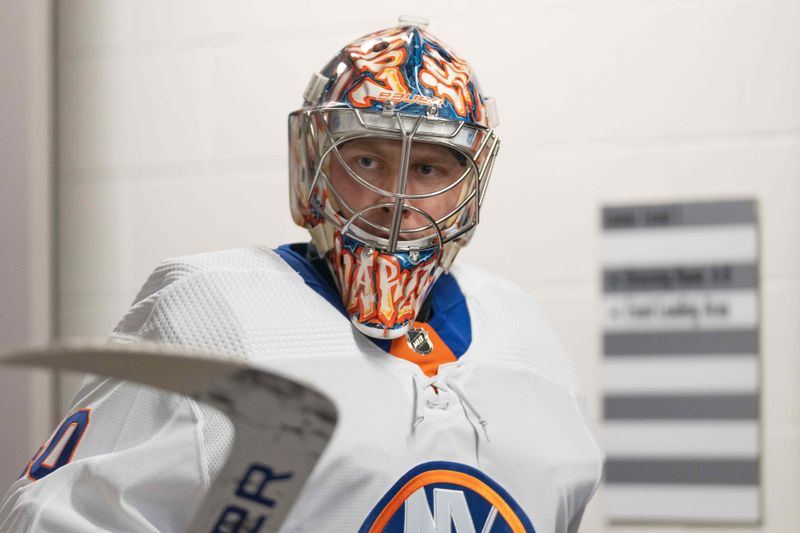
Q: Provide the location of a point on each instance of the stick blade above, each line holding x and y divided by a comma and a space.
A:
169, 368
281, 425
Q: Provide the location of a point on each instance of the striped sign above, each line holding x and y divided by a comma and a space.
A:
681, 369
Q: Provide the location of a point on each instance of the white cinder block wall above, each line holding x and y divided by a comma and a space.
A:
172, 140
25, 224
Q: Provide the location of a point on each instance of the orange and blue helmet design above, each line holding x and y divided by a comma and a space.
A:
408, 69
388, 235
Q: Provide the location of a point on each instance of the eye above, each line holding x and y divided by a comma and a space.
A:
426, 170
367, 162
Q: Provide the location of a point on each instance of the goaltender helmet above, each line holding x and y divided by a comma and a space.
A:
368, 178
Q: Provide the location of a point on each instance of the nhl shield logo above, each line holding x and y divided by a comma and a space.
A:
419, 341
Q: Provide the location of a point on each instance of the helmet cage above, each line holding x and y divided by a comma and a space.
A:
320, 132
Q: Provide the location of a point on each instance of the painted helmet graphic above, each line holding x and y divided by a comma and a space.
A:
389, 159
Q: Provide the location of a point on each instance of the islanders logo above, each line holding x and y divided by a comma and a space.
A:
444, 497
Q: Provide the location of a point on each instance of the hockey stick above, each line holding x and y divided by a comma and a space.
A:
281, 425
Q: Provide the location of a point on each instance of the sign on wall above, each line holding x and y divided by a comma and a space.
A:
681, 364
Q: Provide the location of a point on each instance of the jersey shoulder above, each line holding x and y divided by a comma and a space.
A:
245, 303
237, 259
187, 274
512, 327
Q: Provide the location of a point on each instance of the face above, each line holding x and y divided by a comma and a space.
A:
431, 169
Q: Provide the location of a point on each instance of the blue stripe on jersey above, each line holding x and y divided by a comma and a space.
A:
450, 313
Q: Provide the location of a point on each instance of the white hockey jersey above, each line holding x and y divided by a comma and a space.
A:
497, 441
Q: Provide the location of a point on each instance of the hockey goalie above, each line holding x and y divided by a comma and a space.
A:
452, 405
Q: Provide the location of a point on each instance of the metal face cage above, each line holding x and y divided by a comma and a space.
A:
401, 206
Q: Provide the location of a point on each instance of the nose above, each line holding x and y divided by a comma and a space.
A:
408, 220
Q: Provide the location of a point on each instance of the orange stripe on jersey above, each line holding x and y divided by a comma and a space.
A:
454, 478
429, 363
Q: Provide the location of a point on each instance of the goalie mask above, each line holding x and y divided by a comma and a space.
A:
390, 157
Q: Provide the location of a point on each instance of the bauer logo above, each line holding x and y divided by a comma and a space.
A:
250, 510
444, 497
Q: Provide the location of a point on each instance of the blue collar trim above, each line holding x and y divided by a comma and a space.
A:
450, 313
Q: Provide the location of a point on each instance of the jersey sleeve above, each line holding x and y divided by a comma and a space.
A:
126, 457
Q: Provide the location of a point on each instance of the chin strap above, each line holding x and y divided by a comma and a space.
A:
445, 384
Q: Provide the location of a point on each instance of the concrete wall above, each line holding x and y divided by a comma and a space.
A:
172, 140
25, 225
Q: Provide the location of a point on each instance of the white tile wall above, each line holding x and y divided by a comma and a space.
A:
172, 136
25, 221
255, 211
780, 363
134, 111
593, 70
248, 100
566, 184
94, 220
